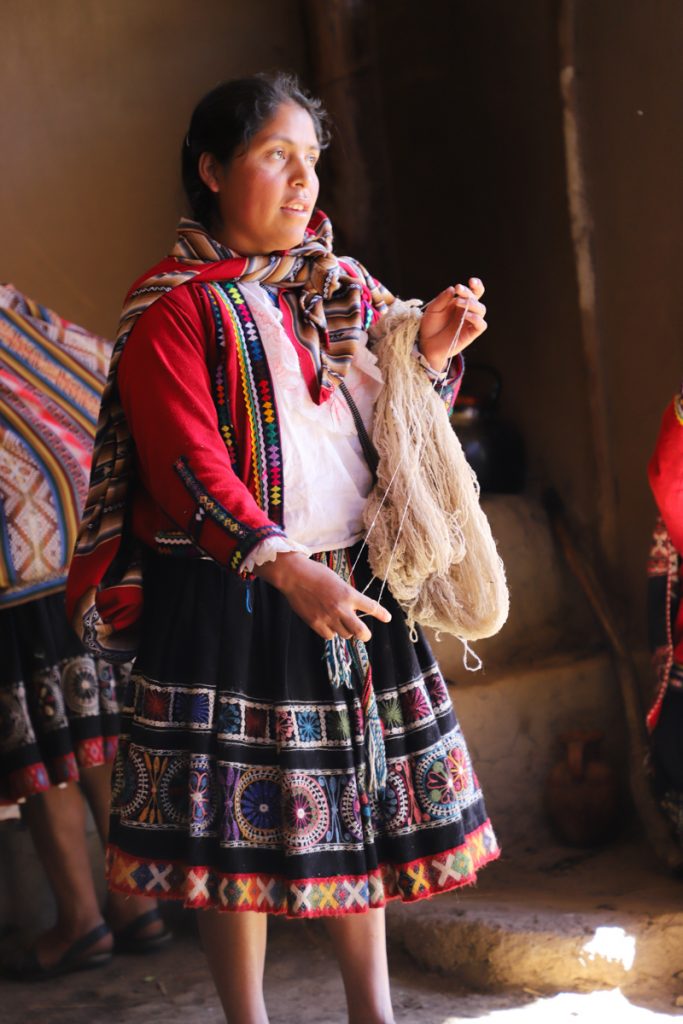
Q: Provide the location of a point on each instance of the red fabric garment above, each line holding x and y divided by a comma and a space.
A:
166, 393
665, 472
165, 386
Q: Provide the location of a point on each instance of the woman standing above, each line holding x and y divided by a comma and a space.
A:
278, 756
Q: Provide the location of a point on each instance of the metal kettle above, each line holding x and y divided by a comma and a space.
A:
493, 446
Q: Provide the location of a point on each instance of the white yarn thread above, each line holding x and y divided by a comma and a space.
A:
449, 358
432, 546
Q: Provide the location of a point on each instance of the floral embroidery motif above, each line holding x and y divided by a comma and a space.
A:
81, 687
261, 805
443, 777
256, 806
309, 725
201, 797
306, 812
229, 718
284, 725
391, 713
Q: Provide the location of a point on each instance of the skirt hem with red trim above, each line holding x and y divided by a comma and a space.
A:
201, 888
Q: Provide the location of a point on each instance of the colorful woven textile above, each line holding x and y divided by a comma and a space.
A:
52, 373
58, 705
324, 300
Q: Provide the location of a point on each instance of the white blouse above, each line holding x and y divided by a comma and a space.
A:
326, 478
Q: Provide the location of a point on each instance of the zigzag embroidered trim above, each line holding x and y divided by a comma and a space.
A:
173, 542
259, 398
220, 396
202, 887
208, 506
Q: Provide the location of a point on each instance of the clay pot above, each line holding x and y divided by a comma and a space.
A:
581, 793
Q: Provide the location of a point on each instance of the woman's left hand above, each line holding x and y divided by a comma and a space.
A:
442, 318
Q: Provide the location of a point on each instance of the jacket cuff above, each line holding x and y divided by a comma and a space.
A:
240, 536
267, 551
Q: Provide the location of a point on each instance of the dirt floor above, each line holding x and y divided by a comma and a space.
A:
519, 925
302, 987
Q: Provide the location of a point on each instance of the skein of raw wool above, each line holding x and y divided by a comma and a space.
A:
445, 571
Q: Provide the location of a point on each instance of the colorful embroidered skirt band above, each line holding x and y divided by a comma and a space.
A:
58, 705
240, 778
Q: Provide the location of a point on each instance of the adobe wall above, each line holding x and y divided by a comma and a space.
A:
96, 100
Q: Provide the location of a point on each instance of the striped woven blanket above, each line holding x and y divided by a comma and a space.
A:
52, 373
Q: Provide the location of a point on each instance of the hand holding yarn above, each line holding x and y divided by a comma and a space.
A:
441, 321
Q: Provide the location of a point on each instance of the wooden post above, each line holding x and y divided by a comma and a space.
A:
582, 236
358, 183
331, 24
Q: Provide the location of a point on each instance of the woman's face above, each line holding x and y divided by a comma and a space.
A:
267, 192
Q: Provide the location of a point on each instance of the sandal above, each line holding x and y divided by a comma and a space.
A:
27, 967
129, 939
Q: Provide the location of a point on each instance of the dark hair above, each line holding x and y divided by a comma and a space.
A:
226, 119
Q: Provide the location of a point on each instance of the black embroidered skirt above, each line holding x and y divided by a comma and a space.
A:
237, 782
58, 705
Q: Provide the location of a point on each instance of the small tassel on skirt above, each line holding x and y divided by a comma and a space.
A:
347, 662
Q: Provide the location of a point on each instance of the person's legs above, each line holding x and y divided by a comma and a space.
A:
120, 910
96, 785
56, 820
235, 947
359, 942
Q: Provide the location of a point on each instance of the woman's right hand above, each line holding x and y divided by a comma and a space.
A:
318, 596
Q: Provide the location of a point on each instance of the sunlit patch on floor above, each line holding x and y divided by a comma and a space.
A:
614, 944
575, 1008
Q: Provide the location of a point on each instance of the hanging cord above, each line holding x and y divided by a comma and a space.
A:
347, 661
